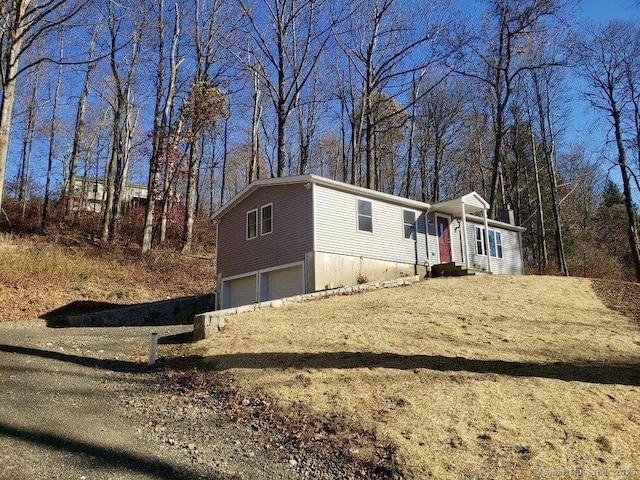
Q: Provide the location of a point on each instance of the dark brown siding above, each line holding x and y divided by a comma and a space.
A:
291, 238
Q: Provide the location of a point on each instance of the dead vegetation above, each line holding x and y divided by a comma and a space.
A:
38, 275
482, 377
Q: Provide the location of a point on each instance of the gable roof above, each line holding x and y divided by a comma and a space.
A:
473, 202
322, 181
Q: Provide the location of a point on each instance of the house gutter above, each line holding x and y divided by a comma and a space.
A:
426, 240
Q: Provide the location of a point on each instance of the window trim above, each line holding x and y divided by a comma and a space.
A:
358, 229
246, 232
414, 225
262, 233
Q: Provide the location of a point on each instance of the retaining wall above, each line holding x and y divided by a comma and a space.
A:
178, 311
210, 323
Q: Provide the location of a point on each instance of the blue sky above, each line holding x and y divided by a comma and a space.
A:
604, 10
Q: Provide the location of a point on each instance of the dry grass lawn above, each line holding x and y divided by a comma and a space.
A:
475, 377
37, 276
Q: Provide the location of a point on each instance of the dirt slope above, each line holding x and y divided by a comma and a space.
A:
37, 277
477, 377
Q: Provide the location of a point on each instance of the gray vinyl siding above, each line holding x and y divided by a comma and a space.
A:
291, 238
511, 261
432, 238
337, 232
455, 230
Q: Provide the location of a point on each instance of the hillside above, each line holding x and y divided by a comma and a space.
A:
38, 276
476, 377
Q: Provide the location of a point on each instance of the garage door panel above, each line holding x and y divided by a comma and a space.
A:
241, 291
286, 282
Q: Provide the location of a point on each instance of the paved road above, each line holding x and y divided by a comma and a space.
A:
73, 404
58, 413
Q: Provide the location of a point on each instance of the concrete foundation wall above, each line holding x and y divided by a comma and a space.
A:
332, 270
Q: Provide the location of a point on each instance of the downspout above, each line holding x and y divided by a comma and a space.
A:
426, 242
486, 240
218, 290
464, 236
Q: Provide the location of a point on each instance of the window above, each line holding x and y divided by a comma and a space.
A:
266, 217
252, 224
480, 241
495, 242
365, 216
409, 222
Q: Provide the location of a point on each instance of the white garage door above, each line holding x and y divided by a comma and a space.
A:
241, 291
285, 282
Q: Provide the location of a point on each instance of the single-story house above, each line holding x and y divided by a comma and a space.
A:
287, 236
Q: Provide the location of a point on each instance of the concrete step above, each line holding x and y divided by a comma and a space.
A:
454, 269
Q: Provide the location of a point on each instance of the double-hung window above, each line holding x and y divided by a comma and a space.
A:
264, 223
409, 224
480, 241
365, 216
252, 224
266, 219
495, 242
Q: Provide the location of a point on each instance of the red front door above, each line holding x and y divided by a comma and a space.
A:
444, 240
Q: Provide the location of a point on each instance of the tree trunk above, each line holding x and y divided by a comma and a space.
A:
543, 256
158, 133
27, 142
78, 133
225, 154
255, 123
192, 183
14, 39
548, 149
52, 132
628, 200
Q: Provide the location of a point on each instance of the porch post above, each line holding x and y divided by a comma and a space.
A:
486, 240
464, 236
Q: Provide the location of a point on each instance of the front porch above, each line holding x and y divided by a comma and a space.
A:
469, 204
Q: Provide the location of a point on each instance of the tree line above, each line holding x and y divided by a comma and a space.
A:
198, 99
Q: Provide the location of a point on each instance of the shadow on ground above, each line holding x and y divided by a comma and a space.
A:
105, 457
624, 374
102, 364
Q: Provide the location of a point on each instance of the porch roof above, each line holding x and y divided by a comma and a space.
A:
472, 202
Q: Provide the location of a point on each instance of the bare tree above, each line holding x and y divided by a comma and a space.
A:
78, 131
382, 41
603, 56
542, 84
439, 115
23, 23
122, 128
163, 107
27, 141
206, 102
494, 58
290, 36
52, 134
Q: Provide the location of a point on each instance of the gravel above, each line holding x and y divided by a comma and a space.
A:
81, 403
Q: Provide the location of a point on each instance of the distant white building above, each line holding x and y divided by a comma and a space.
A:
89, 194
